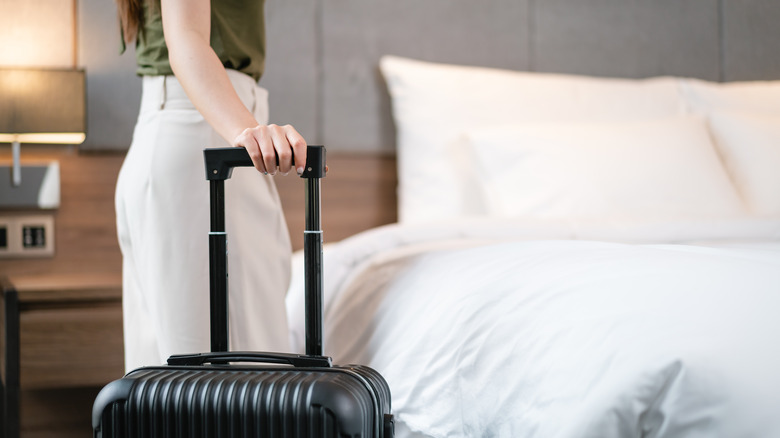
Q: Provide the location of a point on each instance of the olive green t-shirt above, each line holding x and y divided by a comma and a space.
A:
237, 36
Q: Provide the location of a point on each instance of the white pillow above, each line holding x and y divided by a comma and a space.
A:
703, 97
604, 172
433, 103
750, 147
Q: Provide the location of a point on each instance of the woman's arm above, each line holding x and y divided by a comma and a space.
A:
187, 24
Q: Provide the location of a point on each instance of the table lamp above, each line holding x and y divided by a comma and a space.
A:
42, 106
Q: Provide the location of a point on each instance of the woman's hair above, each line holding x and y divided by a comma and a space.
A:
131, 17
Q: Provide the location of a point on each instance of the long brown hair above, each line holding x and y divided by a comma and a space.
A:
131, 17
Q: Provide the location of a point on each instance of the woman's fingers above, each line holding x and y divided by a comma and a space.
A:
274, 148
248, 141
265, 141
298, 145
282, 149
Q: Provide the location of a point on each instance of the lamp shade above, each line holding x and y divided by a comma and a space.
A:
42, 106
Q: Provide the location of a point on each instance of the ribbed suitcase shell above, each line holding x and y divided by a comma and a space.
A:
235, 401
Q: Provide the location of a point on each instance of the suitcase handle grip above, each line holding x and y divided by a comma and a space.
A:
295, 360
221, 161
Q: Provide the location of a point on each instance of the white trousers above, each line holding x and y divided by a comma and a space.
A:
162, 208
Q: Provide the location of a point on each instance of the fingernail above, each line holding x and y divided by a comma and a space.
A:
299, 170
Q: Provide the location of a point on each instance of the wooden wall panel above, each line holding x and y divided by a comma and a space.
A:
85, 223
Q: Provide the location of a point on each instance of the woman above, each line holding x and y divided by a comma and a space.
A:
200, 90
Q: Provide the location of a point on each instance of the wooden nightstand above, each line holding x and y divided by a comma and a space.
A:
58, 331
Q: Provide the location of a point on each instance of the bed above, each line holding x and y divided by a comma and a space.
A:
574, 257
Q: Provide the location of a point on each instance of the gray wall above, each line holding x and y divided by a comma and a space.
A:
323, 54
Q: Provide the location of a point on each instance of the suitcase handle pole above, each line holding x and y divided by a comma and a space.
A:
219, 167
218, 274
312, 259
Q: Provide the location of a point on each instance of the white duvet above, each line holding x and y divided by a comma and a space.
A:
521, 330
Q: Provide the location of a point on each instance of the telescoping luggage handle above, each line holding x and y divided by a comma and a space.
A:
219, 167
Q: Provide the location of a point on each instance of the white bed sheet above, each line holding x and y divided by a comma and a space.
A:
488, 328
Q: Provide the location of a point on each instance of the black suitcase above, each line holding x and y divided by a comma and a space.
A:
226, 394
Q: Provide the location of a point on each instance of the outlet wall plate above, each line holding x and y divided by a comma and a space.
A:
27, 236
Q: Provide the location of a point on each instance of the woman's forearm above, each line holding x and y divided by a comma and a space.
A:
186, 26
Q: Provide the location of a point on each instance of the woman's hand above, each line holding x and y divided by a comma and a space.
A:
274, 148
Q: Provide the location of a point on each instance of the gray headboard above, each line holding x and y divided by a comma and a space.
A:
322, 66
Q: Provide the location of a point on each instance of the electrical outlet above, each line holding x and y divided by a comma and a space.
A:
27, 236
